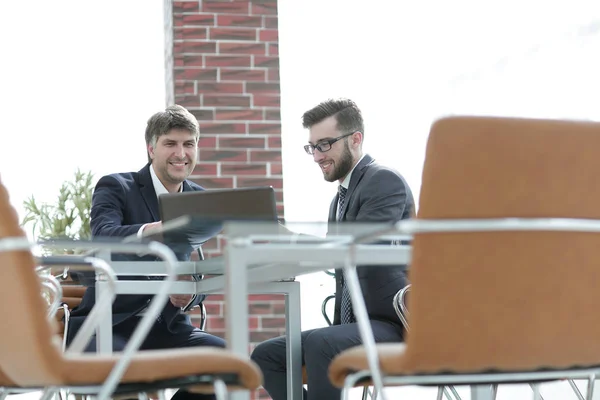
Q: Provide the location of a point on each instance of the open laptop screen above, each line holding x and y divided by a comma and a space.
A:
256, 203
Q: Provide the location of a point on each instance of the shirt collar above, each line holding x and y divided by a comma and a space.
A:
159, 188
346, 182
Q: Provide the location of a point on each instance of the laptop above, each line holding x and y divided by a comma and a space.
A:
245, 204
207, 210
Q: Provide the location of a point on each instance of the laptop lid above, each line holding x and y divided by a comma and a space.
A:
254, 203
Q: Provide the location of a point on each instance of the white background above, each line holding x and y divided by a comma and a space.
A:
79, 79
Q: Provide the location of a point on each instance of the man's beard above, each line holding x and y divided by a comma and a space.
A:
175, 178
342, 166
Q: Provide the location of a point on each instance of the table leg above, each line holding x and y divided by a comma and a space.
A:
236, 298
293, 342
104, 331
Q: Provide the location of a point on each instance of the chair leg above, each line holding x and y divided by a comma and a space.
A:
590, 391
536, 391
161, 395
49, 393
374, 394
346, 389
482, 392
454, 392
66, 330
440, 393
575, 389
366, 393
450, 393
203, 317
220, 389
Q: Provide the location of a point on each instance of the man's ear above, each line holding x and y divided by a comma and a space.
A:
357, 139
150, 151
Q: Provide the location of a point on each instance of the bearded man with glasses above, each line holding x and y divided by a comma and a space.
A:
367, 192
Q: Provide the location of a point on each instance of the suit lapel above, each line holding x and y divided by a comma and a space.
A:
148, 192
187, 187
357, 175
333, 208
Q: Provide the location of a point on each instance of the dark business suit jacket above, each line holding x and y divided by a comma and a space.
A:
121, 204
375, 194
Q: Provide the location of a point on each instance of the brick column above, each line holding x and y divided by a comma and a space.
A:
226, 72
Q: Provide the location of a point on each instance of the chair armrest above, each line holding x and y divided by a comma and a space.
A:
52, 284
104, 302
413, 226
153, 310
399, 304
324, 308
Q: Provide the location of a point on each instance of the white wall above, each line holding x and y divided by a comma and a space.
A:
82, 100
407, 63
78, 81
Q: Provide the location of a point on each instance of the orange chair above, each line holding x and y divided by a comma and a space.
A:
505, 259
31, 359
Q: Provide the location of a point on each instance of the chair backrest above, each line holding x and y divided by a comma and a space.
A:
27, 349
506, 300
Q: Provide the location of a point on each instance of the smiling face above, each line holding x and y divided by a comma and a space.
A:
174, 157
338, 161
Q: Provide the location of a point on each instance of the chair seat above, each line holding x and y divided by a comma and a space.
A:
73, 291
149, 366
72, 302
355, 359
394, 362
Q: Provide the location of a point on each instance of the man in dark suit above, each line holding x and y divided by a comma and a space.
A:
368, 192
127, 204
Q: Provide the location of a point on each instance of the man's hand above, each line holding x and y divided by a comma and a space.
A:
148, 228
181, 300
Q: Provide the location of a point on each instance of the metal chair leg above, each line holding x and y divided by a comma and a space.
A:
220, 389
536, 391
67, 314
161, 395
203, 317
49, 393
348, 384
450, 393
366, 393
575, 389
440, 393
590, 391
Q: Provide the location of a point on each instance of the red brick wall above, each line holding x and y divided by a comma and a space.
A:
226, 72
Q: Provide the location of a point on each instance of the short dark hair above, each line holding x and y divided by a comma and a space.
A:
174, 117
346, 112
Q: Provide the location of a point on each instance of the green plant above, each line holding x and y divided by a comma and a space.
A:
69, 217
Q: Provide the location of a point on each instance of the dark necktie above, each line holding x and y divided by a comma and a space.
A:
347, 316
341, 200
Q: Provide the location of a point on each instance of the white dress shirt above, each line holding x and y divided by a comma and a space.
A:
159, 189
345, 183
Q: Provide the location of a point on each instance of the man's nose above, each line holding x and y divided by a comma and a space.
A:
180, 152
317, 156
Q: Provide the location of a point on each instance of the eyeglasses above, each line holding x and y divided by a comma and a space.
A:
324, 145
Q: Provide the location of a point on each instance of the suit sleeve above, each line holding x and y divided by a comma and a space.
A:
108, 205
384, 198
